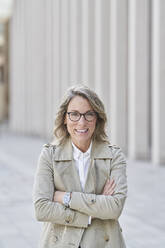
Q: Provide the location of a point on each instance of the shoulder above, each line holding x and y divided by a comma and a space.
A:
49, 145
104, 150
117, 152
112, 146
48, 150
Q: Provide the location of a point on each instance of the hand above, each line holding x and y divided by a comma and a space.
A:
58, 196
109, 187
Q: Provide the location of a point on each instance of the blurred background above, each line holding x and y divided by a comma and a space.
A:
116, 47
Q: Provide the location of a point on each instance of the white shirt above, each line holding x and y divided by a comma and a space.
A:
82, 161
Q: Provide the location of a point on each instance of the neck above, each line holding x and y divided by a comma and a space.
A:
82, 147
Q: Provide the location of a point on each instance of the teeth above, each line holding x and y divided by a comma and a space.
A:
82, 130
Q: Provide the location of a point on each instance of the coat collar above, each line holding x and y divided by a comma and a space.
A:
100, 150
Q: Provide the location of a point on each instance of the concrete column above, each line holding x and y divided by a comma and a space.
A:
91, 37
64, 44
36, 64
105, 63
30, 65
84, 52
17, 69
73, 42
101, 56
118, 72
138, 81
158, 84
12, 68
56, 97
48, 67
98, 48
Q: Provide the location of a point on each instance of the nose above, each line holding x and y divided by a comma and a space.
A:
82, 119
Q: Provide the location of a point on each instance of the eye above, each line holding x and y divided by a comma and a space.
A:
74, 114
90, 114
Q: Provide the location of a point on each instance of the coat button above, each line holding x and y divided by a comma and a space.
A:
106, 238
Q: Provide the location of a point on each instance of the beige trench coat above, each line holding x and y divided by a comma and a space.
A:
68, 227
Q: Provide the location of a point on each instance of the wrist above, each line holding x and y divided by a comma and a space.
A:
66, 199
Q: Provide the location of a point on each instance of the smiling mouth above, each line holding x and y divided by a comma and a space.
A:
82, 130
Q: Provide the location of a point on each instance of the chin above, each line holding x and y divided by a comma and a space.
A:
84, 140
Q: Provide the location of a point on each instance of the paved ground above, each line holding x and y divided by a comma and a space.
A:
143, 219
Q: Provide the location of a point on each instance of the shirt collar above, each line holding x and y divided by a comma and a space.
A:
99, 150
77, 153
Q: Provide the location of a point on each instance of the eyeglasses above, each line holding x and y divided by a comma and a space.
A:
76, 116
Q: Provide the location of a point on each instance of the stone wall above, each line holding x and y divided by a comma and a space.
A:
113, 46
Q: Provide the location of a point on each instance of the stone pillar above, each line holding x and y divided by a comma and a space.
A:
55, 62
91, 47
49, 91
98, 48
101, 51
138, 79
84, 53
17, 108
118, 73
158, 82
64, 44
36, 84
73, 42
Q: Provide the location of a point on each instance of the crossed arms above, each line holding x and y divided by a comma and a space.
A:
107, 205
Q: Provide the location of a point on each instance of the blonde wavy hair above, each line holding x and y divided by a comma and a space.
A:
60, 130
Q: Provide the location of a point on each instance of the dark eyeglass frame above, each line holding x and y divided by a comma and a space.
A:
82, 114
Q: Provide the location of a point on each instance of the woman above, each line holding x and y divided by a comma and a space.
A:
80, 185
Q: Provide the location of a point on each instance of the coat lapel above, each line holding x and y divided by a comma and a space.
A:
90, 184
99, 169
67, 176
65, 168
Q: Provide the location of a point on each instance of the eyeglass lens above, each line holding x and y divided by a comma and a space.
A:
75, 116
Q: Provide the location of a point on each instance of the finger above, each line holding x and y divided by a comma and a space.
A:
110, 191
110, 185
106, 185
111, 181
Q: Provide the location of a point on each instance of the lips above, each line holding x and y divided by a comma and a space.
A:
82, 130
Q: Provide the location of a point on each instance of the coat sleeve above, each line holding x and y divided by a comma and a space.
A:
43, 192
101, 206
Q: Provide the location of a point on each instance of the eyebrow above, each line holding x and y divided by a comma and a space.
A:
90, 110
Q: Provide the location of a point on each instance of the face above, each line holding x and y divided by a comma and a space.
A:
80, 131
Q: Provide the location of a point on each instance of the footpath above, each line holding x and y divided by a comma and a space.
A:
142, 220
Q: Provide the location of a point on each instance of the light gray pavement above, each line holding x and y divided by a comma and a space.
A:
142, 221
